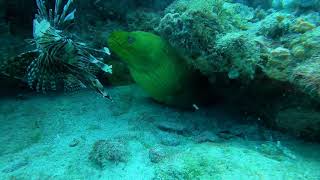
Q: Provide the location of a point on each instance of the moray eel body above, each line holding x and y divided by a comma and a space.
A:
158, 68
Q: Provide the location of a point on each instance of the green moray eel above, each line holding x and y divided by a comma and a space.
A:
158, 68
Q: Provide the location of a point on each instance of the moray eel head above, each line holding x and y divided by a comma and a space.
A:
138, 49
156, 67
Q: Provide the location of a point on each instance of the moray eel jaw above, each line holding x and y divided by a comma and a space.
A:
123, 44
136, 48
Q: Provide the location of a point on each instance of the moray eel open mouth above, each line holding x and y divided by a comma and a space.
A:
125, 46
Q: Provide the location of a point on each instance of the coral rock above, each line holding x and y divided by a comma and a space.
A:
105, 151
281, 53
302, 26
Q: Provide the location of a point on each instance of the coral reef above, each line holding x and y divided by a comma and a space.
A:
143, 20
251, 51
240, 64
274, 25
192, 29
204, 31
305, 45
296, 4
306, 75
230, 42
217, 40
123, 14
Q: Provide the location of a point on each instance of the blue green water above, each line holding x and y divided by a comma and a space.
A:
159, 90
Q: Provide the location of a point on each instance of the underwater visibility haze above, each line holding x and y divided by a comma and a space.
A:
160, 89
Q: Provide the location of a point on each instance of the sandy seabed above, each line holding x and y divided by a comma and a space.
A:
52, 136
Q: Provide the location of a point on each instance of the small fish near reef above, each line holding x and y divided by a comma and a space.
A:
159, 69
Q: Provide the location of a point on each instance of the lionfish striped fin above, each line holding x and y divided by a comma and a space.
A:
87, 79
64, 12
43, 75
42, 10
16, 67
72, 84
87, 57
70, 16
89, 67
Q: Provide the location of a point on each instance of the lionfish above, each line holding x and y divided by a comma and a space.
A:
59, 60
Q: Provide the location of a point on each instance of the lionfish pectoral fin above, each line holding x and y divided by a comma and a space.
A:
87, 79
107, 68
16, 67
72, 84
104, 67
